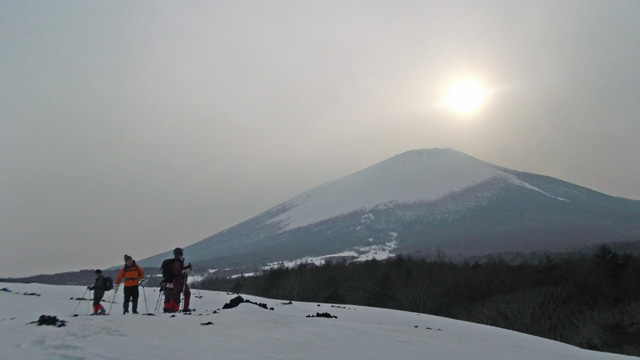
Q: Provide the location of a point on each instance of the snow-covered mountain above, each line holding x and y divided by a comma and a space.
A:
250, 332
407, 178
419, 203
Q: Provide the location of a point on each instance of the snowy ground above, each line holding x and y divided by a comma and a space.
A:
251, 332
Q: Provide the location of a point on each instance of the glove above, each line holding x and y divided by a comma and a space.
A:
115, 287
141, 281
89, 287
189, 266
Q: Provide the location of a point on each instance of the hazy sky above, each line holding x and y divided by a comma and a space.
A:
136, 127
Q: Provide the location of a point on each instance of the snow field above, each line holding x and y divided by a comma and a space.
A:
251, 332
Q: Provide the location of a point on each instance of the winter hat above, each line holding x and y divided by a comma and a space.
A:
127, 257
177, 252
98, 271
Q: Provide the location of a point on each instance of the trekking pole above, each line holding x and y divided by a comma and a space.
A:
88, 302
195, 282
184, 289
113, 297
155, 310
145, 300
79, 301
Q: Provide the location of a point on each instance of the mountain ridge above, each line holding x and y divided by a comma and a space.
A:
401, 179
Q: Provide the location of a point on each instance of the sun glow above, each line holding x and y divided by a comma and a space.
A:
466, 96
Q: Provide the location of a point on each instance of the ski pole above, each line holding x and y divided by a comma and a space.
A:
195, 282
145, 300
182, 293
112, 299
88, 302
155, 310
79, 301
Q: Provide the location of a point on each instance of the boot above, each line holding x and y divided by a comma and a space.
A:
185, 307
134, 308
98, 310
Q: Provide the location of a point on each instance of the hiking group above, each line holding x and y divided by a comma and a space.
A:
174, 284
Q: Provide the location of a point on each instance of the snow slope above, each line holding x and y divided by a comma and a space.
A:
251, 332
418, 175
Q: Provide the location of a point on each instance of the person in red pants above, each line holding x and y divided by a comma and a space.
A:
98, 289
180, 285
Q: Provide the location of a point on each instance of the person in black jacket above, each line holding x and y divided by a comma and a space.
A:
180, 286
98, 289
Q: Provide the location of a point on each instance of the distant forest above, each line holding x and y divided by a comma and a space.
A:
591, 301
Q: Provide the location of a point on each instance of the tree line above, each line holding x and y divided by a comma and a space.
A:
591, 301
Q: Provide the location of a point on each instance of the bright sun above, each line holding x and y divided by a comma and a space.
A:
466, 96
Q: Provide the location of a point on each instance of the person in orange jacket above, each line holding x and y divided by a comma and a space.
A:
133, 276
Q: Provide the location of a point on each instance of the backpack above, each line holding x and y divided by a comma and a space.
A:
133, 266
108, 283
167, 270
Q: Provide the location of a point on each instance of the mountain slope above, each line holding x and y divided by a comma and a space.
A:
410, 177
422, 202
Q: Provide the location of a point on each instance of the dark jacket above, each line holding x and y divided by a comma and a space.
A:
180, 285
98, 288
178, 269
